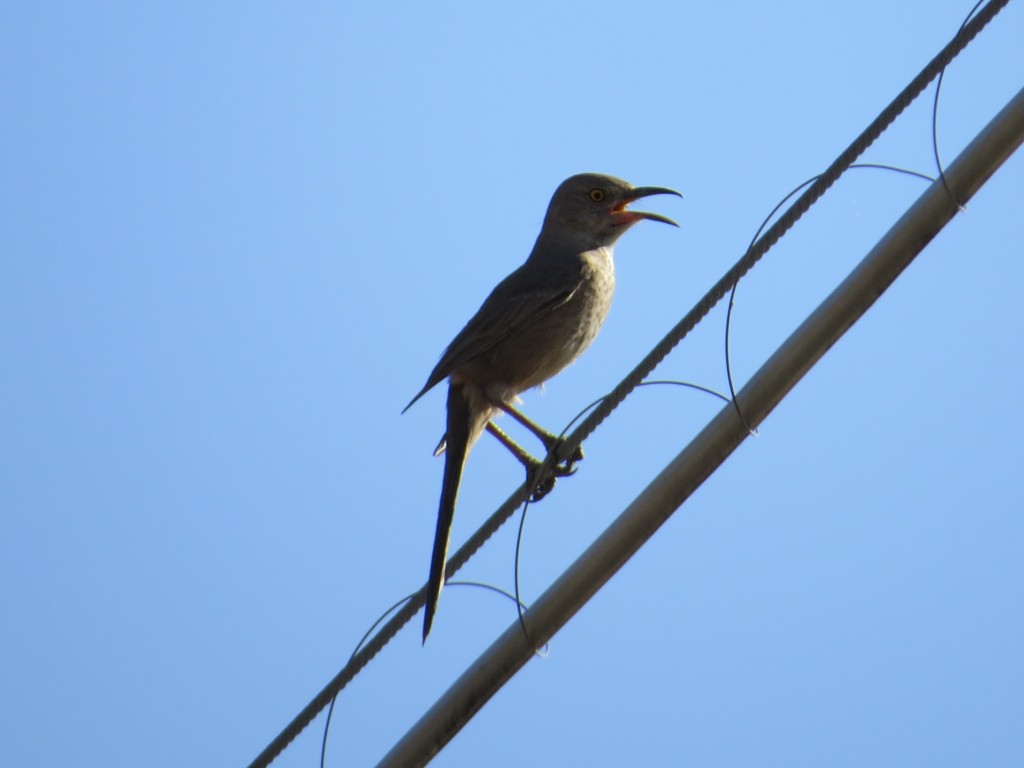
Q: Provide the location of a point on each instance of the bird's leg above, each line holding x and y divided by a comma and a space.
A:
532, 464
515, 448
550, 441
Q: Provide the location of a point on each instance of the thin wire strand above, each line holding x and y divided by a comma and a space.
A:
935, 118
522, 518
519, 540
653, 358
365, 637
732, 292
334, 698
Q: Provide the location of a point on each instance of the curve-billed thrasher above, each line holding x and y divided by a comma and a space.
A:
534, 323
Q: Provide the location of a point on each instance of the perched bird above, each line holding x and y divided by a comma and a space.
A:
534, 323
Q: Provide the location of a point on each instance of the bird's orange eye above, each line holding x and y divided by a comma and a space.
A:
597, 194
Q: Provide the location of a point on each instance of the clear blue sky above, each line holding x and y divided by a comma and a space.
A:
235, 238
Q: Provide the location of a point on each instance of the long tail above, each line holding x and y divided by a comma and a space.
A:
454, 458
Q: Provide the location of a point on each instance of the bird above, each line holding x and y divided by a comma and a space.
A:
532, 325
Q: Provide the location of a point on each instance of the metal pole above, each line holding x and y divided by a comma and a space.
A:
684, 474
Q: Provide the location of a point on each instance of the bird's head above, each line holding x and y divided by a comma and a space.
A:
592, 207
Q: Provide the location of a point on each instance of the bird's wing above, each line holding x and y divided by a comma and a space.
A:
497, 321
513, 305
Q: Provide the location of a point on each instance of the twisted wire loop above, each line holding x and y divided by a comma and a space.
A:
754, 254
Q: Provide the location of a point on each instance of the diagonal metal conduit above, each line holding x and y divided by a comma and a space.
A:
684, 474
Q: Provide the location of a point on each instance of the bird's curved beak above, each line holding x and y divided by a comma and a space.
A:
629, 217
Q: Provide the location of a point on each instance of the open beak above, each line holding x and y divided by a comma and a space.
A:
629, 217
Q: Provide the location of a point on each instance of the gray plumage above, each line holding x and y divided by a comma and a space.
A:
534, 323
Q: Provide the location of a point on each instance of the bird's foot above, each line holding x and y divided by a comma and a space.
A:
562, 469
540, 489
568, 467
